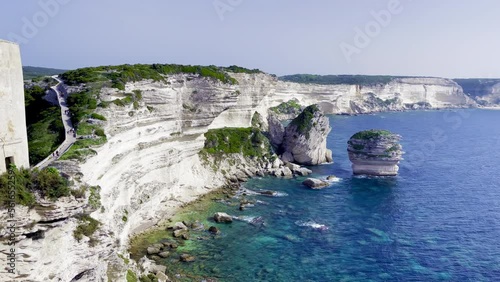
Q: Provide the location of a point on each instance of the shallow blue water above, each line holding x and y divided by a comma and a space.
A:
439, 220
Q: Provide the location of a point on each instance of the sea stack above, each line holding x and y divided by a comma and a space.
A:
304, 140
375, 153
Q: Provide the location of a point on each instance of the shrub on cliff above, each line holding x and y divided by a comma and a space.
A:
48, 183
120, 75
250, 142
304, 120
87, 227
290, 107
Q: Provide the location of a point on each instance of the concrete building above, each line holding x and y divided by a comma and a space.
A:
13, 135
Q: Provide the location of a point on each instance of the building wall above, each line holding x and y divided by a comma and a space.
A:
13, 135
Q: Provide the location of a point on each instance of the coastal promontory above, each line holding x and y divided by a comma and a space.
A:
375, 152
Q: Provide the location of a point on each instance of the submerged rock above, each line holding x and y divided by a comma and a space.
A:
214, 230
314, 183
305, 138
375, 152
187, 258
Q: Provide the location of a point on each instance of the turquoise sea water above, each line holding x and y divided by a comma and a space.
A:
439, 220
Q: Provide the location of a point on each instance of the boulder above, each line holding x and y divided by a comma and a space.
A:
268, 193
278, 172
287, 172
155, 269
305, 138
221, 217
162, 277
314, 183
179, 233
214, 230
304, 171
292, 166
180, 226
187, 258
164, 254
276, 163
153, 250
332, 178
375, 152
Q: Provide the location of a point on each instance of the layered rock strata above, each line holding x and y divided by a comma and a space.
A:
375, 153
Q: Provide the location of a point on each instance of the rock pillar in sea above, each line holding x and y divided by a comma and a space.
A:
304, 140
375, 152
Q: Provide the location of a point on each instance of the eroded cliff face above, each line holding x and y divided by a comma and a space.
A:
150, 165
305, 138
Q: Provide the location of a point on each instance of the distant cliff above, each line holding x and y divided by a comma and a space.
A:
485, 91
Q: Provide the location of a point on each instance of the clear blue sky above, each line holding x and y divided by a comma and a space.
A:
448, 38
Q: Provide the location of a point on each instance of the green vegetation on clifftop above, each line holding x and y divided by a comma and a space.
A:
303, 121
250, 142
290, 107
365, 80
372, 133
120, 75
33, 72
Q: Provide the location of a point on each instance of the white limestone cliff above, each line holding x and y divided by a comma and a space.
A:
150, 165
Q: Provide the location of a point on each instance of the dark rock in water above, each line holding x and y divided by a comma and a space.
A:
267, 193
257, 221
214, 230
187, 258
197, 226
314, 183
375, 152
221, 217
332, 178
